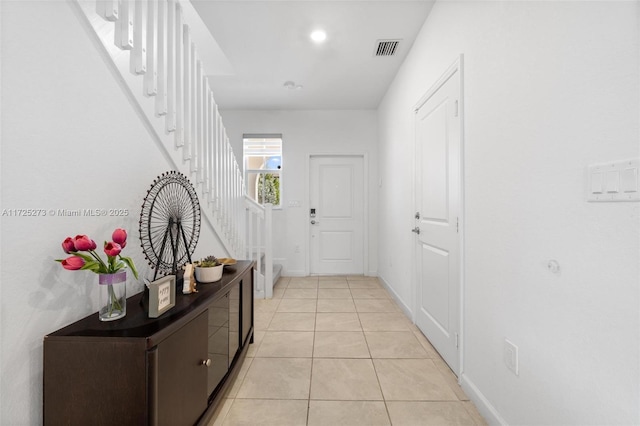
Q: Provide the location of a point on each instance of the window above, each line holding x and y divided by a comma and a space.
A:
263, 168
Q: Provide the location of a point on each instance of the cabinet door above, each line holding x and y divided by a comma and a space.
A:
246, 290
234, 321
178, 376
93, 382
218, 314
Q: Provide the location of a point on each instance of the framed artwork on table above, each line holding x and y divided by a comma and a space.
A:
162, 295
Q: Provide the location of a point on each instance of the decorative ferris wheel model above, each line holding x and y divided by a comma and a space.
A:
169, 223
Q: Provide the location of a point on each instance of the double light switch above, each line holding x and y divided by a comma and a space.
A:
615, 181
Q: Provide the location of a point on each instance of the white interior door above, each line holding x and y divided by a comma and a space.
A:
336, 218
437, 197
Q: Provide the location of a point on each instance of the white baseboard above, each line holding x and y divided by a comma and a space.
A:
293, 273
483, 405
407, 311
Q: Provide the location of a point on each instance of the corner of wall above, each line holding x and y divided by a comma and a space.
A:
396, 297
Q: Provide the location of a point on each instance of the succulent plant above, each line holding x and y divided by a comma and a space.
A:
209, 262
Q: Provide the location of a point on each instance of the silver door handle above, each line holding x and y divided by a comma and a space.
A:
313, 222
416, 230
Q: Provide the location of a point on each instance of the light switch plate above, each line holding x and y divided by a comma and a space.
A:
510, 352
629, 180
614, 181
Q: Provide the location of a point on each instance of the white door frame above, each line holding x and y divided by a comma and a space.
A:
307, 206
457, 65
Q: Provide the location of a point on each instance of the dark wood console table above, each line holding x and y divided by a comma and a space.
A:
173, 370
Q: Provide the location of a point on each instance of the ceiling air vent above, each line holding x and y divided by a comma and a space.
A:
386, 47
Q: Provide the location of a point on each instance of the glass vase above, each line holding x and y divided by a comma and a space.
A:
113, 296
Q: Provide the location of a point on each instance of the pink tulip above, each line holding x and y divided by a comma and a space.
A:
73, 263
93, 245
83, 243
112, 249
67, 245
119, 236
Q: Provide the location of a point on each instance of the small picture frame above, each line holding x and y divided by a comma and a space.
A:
162, 295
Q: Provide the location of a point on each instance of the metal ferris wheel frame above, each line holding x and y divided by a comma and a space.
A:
169, 223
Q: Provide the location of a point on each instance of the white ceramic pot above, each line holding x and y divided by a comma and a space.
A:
209, 275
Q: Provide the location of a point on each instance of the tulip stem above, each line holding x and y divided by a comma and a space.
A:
95, 256
113, 301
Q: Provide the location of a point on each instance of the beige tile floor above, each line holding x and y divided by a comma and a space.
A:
338, 351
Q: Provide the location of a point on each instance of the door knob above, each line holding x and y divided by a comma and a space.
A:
416, 230
206, 362
313, 222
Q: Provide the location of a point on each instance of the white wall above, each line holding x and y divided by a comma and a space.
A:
305, 133
550, 87
70, 139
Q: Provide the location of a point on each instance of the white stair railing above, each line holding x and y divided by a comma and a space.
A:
259, 243
150, 44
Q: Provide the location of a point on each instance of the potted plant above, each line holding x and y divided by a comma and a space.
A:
208, 270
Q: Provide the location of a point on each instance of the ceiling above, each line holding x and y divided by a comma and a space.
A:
268, 43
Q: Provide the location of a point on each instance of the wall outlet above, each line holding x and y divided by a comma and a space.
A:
510, 352
296, 249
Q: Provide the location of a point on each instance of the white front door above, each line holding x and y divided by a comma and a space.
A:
336, 216
437, 197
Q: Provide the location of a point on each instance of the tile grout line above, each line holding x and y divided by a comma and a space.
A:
384, 399
313, 352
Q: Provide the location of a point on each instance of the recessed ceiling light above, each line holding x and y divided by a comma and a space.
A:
318, 36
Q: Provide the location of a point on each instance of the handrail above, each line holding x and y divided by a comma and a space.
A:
250, 203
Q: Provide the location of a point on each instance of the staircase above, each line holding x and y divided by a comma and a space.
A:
152, 49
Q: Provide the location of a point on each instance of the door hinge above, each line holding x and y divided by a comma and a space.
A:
457, 225
457, 341
455, 111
